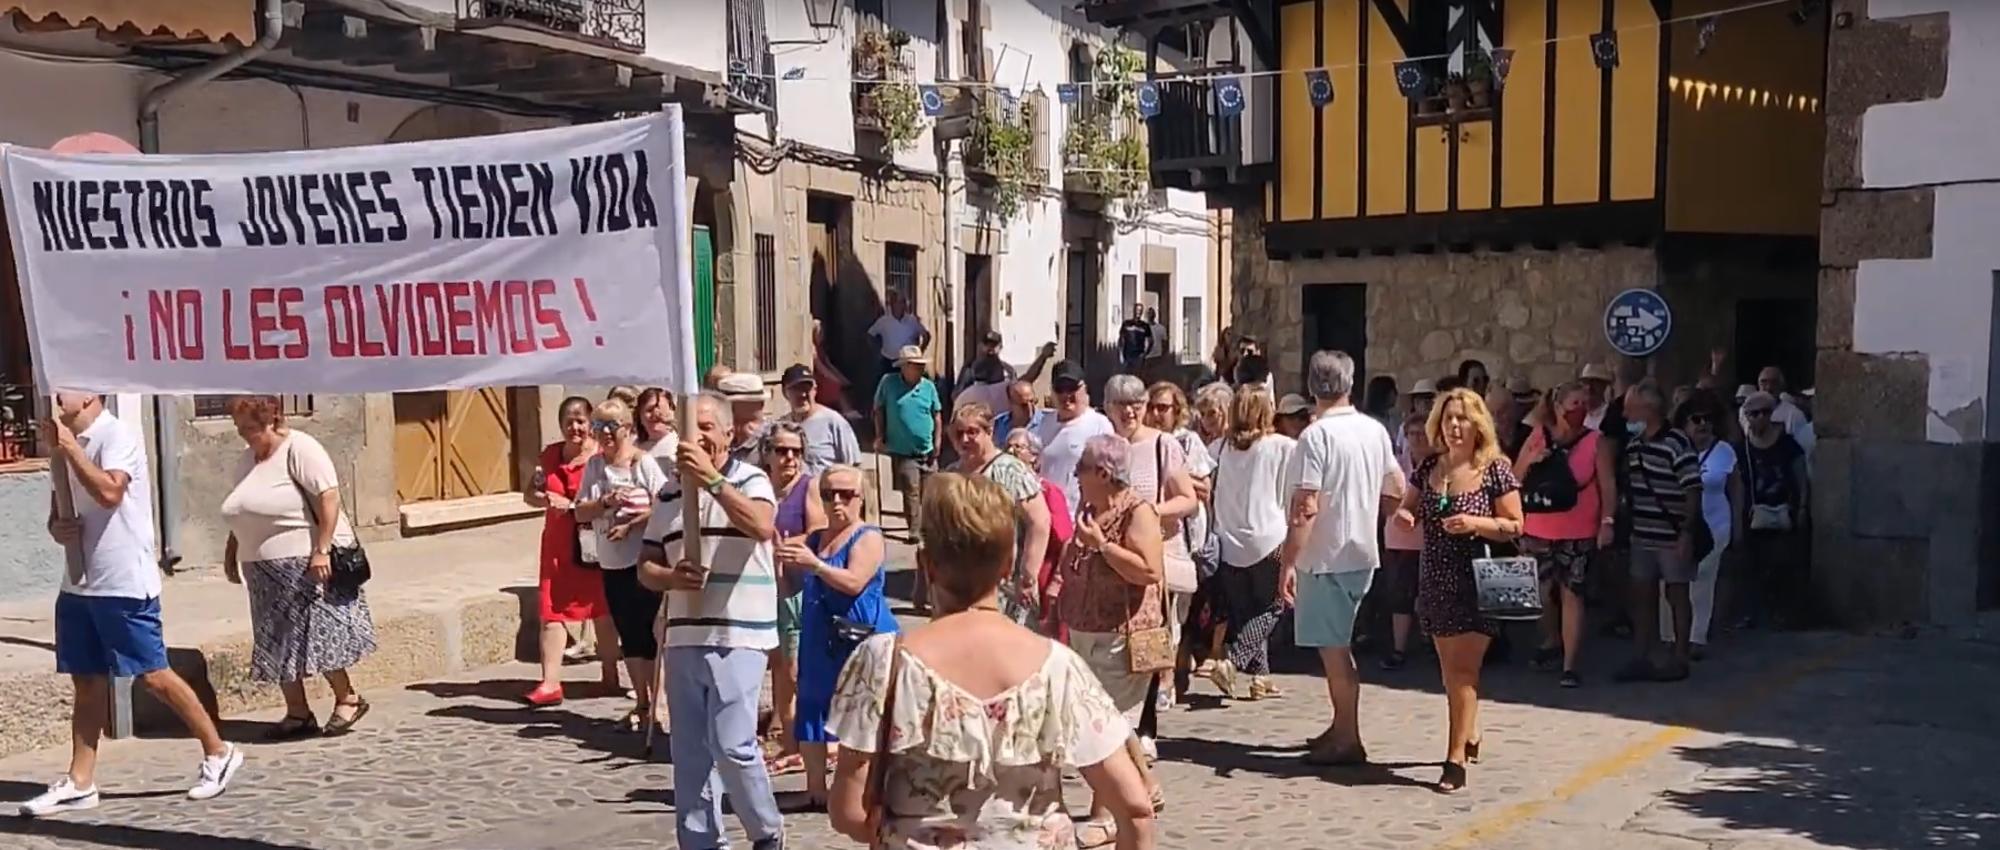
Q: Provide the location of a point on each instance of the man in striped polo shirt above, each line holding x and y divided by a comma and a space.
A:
1664, 492
722, 620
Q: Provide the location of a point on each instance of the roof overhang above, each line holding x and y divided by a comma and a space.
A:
186, 20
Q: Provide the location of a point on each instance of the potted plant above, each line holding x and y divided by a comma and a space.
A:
1430, 102
1479, 80
1456, 92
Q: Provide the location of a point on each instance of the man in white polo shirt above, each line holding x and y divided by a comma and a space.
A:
1342, 476
721, 622
108, 617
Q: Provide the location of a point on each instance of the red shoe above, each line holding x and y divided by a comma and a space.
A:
545, 695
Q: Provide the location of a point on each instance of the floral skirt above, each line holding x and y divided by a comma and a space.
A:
300, 632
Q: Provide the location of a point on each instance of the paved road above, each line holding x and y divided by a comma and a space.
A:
1778, 743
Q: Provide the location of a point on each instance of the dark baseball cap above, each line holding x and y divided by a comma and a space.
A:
797, 373
1066, 376
991, 338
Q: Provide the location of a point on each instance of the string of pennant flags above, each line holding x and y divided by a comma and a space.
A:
1414, 78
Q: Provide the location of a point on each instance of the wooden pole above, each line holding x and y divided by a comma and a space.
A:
691, 492
65, 501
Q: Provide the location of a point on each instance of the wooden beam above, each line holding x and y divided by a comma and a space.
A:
1261, 41
1399, 26
1663, 8
384, 46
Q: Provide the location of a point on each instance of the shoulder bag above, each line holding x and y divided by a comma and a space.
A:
875, 798
1509, 587
1150, 650
1180, 572
349, 562
1762, 517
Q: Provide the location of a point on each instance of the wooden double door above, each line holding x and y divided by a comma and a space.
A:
455, 444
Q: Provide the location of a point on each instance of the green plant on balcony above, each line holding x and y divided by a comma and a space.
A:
1104, 147
885, 99
1003, 146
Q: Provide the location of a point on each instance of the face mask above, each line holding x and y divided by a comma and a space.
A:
1574, 418
1635, 428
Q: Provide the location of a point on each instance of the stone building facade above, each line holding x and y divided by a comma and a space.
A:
1528, 312
1905, 470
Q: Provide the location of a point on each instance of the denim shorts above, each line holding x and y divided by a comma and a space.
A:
1665, 565
108, 635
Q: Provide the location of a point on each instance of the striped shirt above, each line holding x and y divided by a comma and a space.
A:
739, 606
1662, 470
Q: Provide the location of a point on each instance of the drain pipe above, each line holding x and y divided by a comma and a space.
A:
166, 414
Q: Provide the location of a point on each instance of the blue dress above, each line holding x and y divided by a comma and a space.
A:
821, 651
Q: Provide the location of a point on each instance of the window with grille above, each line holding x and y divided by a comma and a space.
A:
217, 406
900, 271
767, 302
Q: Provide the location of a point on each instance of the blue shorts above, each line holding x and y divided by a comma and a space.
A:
108, 635
1327, 604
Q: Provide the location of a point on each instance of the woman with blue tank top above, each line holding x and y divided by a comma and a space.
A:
799, 513
843, 604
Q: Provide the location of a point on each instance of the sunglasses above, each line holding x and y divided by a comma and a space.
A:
1698, 419
605, 427
1167, 407
839, 494
788, 451
1756, 413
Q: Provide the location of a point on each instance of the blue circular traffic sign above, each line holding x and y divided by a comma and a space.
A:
1637, 322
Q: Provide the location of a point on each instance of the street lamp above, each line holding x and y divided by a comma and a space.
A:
823, 15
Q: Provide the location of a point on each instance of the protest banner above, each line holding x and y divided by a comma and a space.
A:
544, 257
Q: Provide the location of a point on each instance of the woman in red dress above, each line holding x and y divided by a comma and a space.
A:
570, 593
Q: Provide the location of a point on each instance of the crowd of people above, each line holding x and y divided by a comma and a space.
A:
1083, 565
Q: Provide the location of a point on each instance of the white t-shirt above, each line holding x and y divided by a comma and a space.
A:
1346, 458
601, 478
1062, 446
1250, 498
1200, 464
739, 606
120, 551
896, 333
1716, 465
267, 510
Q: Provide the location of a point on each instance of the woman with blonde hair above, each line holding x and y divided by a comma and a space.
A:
1465, 497
1167, 409
971, 719
616, 498
1250, 525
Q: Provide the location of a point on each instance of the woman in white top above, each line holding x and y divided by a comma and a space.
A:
1161, 477
972, 719
653, 419
1722, 501
1168, 410
284, 519
619, 485
1250, 526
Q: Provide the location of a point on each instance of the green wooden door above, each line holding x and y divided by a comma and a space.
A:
704, 300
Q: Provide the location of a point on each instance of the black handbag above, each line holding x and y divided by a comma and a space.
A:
848, 634
350, 562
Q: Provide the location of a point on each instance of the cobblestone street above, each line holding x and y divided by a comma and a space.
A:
1781, 741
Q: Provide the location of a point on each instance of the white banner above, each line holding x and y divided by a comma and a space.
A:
546, 257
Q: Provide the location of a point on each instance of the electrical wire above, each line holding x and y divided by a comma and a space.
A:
1245, 75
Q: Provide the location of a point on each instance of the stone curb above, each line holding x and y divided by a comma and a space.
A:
413, 644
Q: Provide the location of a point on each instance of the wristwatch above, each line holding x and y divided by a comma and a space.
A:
714, 485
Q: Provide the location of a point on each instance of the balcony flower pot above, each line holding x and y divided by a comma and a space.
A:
1431, 105
1456, 94
1479, 92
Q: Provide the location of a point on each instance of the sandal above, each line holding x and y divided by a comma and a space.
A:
1453, 778
1472, 752
787, 764
635, 721
1159, 797
338, 725
1096, 833
545, 695
293, 728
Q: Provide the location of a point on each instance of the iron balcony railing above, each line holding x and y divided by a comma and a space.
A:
619, 23
1103, 143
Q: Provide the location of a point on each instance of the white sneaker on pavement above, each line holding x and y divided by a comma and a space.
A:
1149, 749
216, 771
61, 797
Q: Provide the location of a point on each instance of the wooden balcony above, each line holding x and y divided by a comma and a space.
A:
1150, 14
1192, 145
614, 23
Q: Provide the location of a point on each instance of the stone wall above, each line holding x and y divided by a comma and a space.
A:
1901, 486
30, 563
1525, 311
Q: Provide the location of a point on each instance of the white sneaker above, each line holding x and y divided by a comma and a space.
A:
61, 797
216, 771
1150, 749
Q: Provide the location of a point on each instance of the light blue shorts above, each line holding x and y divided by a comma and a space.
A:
1327, 605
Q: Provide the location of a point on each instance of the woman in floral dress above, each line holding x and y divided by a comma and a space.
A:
1465, 497
983, 716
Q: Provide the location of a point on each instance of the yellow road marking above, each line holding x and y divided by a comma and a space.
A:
1514, 816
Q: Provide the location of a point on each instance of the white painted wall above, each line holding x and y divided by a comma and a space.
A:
1942, 306
818, 110
1030, 43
